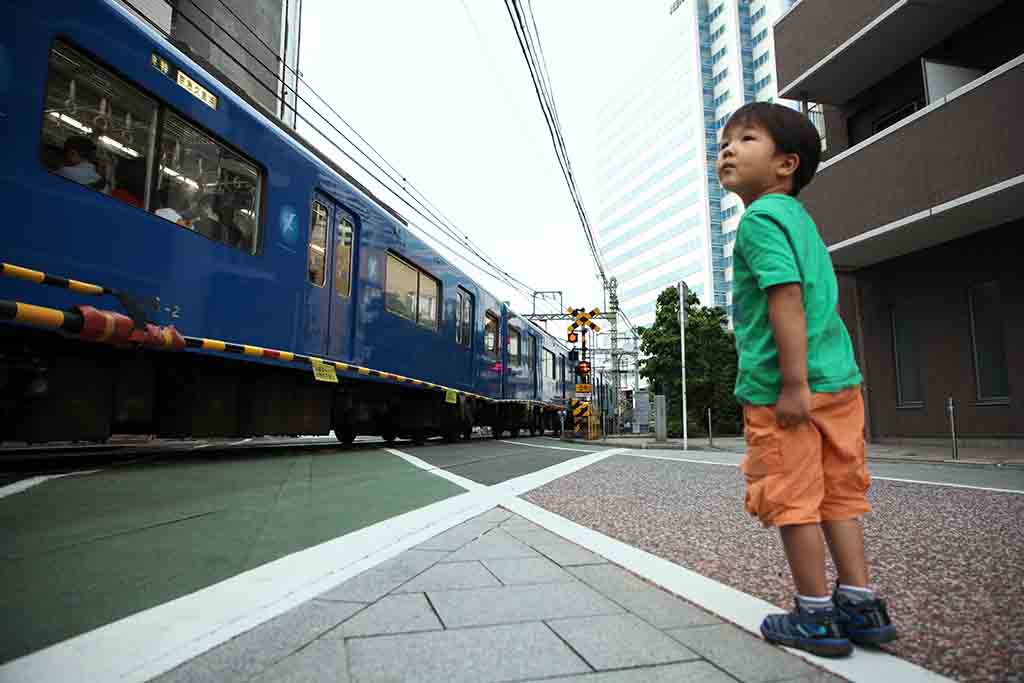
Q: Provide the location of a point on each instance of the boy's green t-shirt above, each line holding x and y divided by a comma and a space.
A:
778, 243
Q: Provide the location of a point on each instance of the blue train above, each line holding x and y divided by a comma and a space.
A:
128, 165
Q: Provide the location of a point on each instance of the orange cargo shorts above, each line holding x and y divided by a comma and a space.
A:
812, 472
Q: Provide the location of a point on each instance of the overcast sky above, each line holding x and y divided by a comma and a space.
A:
441, 89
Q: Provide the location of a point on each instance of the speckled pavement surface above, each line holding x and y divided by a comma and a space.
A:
497, 598
949, 560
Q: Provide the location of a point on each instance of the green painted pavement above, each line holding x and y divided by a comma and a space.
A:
81, 552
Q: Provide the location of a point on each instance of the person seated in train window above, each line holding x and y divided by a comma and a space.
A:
131, 182
206, 215
80, 163
166, 211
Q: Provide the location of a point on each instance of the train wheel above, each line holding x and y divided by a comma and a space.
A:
347, 436
467, 434
497, 431
515, 433
389, 437
419, 437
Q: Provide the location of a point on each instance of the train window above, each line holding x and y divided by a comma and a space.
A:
426, 315
97, 130
549, 365
411, 293
343, 255
514, 347
464, 318
531, 362
318, 243
491, 334
206, 187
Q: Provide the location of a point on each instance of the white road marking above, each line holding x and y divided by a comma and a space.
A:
873, 477
467, 484
239, 443
25, 484
537, 445
743, 610
202, 445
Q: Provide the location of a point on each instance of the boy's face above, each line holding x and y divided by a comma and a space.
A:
749, 165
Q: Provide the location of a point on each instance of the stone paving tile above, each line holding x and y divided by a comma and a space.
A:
458, 536
321, 660
510, 604
742, 654
452, 576
656, 606
568, 554
497, 545
377, 582
517, 523
535, 538
391, 614
477, 655
250, 653
529, 570
619, 641
494, 516
689, 672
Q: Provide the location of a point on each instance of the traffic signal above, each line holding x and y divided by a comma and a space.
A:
583, 367
573, 337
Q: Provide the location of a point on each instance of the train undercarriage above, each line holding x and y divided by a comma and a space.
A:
58, 389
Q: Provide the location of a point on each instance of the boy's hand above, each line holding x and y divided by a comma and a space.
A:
794, 405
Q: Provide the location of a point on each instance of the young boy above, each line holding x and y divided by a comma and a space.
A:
799, 385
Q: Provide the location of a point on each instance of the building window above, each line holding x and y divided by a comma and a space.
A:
730, 212
343, 256
763, 83
719, 77
514, 347
759, 37
715, 13
492, 334
896, 115
464, 319
411, 293
318, 244
906, 350
762, 59
717, 34
758, 14
715, 58
990, 371
720, 99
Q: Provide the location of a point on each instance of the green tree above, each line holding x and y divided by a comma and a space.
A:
710, 364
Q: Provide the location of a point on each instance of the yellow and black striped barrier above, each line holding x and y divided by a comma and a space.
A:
91, 324
580, 414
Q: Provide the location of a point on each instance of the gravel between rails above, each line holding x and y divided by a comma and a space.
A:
950, 561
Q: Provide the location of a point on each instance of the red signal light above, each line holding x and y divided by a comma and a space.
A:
583, 367
573, 337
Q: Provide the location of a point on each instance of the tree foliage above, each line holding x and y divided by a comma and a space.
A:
710, 364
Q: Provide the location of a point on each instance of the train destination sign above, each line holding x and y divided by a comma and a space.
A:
184, 80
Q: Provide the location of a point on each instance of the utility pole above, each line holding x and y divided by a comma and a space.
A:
683, 291
613, 298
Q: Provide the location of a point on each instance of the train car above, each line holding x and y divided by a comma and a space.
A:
247, 265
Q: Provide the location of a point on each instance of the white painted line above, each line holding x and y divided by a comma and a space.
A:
239, 443
467, 484
25, 484
955, 486
668, 457
743, 610
873, 477
202, 445
507, 490
145, 645
537, 445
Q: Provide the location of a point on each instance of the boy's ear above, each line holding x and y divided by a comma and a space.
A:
788, 164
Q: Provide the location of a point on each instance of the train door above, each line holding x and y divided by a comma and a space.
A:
341, 256
535, 367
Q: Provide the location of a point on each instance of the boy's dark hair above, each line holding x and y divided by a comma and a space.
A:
792, 132
85, 147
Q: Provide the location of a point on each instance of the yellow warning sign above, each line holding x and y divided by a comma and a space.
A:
451, 396
324, 372
584, 388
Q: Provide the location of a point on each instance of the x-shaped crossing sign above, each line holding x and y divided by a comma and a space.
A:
583, 319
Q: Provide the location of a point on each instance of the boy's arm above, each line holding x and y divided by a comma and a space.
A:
789, 325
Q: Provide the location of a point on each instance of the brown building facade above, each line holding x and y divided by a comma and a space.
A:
920, 200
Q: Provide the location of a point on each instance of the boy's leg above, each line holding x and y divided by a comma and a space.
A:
846, 544
805, 553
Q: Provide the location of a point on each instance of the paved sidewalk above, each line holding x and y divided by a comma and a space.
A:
497, 598
969, 454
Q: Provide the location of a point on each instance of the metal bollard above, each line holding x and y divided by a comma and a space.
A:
952, 426
711, 437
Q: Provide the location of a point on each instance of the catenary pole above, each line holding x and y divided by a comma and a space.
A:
683, 291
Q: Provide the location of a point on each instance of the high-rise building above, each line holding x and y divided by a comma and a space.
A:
663, 215
919, 199
253, 45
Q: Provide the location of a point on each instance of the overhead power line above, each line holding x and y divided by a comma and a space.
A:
416, 201
529, 43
